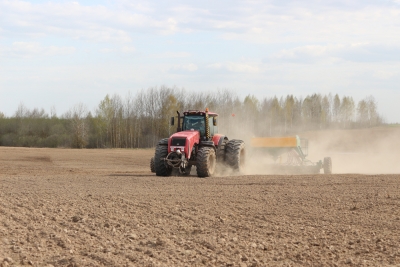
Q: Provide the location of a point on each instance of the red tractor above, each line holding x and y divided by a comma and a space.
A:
197, 143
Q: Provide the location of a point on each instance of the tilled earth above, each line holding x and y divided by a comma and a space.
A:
62, 207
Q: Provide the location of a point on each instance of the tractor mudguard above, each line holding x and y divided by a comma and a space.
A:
208, 143
163, 142
221, 140
218, 139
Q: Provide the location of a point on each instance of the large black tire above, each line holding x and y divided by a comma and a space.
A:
235, 154
161, 168
152, 165
221, 151
327, 165
206, 161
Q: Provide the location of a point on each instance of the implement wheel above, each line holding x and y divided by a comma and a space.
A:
235, 154
206, 161
327, 165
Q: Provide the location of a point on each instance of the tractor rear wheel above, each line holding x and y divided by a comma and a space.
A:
221, 151
327, 165
152, 166
235, 154
206, 161
161, 168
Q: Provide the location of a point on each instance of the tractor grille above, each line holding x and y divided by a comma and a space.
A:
178, 142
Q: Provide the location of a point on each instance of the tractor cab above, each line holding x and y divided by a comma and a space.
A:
194, 120
194, 123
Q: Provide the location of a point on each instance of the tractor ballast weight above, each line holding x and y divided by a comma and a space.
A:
296, 150
197, 143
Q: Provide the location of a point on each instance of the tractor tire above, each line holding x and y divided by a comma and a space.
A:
152, 165
206, 161
327, 165
235, 154
161, 168
221, 152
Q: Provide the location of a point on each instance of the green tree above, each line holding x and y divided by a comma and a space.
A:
289, 108
326, 114
79, 127
103, 122
336, 109
362, 113
347, 111
250, 112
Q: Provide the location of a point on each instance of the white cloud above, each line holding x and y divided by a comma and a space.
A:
141, 6
303, 54
56, 50
319, 24
235, 67
32, 49
106, 50
191, 67
171, 55
128, 49
95, 23
26, 48
385, 74
357, 52
216, 66
256, 22
240, 67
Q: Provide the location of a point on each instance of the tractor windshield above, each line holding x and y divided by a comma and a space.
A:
195, 123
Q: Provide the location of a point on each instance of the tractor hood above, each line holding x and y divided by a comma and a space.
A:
184, 141
187, 134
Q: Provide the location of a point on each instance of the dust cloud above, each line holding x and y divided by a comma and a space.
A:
364, 151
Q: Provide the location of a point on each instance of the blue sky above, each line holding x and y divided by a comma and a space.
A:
60, 53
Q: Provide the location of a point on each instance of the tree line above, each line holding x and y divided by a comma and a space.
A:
140, 120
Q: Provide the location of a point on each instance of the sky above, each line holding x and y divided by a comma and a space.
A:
56, 54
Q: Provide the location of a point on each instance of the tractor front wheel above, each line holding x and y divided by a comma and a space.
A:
235, 154
161, 168
206, 161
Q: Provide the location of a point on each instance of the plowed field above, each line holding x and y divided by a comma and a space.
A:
62, 207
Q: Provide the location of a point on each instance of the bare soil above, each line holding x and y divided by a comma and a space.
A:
63, 207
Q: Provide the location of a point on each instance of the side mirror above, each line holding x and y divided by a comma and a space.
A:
172, 121
215, 121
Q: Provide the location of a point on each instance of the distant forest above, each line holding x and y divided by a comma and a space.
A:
139, 121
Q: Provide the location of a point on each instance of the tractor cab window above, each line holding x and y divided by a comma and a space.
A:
213, 129
196, 123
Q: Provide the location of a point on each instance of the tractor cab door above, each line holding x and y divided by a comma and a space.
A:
213, 127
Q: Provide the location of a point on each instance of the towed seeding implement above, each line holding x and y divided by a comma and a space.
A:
295, 150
